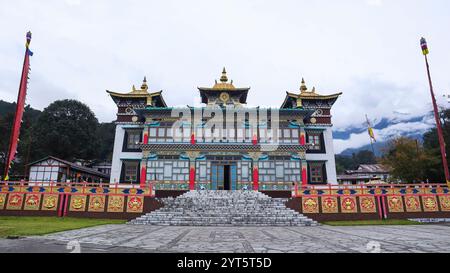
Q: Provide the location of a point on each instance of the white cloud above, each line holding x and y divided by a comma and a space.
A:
390, 132
84, 47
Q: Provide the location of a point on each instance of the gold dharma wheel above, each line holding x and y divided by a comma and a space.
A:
224, 97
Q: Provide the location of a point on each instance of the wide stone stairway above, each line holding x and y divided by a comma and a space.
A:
224, 208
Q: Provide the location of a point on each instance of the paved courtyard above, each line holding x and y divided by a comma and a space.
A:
130, 238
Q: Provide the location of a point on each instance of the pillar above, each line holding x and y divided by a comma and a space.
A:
255, 175
145, 138
302, 137
304, 173
192, 155
143, 176
191, 174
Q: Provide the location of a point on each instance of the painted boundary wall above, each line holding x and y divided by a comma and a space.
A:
76, 200
363, 202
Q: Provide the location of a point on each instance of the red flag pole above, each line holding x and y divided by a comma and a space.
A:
436, 114
20, 107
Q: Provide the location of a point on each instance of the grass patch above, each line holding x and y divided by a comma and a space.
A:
26, 226
398, 222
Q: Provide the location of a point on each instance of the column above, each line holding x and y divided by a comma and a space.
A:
302, 136
143, 176
255, 170
191, 174
145, 136
304, 168
192, 158
255, 175
304, 165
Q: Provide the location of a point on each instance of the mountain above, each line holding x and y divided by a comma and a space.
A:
355, 138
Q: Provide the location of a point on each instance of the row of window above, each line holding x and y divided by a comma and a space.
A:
269, 171
161, 134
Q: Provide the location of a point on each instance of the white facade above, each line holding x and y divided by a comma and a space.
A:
328, 157
119, 155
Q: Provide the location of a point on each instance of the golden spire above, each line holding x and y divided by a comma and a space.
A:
303, 87
144, 85
224, 77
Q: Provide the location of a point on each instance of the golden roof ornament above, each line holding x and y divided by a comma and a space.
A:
303, 87
224, 84
144, 85
224, 77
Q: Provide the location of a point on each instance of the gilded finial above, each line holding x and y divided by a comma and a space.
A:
313, 90
303, 87
224, 77
133, 88
144, 85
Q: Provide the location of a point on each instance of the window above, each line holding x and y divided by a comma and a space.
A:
315, 140
279, 171
133, 139
167, 171
131, 171
317, 173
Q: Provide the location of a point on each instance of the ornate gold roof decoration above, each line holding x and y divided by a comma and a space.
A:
137, 93
305, 93
224, 84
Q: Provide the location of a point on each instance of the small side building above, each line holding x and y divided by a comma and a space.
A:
365, 173
53, 169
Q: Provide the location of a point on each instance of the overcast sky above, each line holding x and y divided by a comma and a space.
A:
368, 49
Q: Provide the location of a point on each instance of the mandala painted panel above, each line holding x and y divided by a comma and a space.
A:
32, 201
77, 203
444, 200
367, 204
50, 202
310, 205
412, 203
330, 205
15, 201
135, 204
395, 204
115, 203
430, 203
96, 203
2, 200
348, 204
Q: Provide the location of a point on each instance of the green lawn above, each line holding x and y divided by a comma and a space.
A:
372, 222
25, 226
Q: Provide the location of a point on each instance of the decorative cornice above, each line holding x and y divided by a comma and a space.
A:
238, 147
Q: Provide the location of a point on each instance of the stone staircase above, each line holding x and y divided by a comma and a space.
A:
224, 208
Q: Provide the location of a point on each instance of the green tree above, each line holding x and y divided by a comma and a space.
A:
66, 129
106, 134
344, 162
24, 148
408, 160
431, 144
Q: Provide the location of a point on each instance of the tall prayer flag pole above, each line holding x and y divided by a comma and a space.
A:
20, 107
425, 51
371, 134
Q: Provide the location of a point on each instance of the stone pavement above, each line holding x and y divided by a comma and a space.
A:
318, 239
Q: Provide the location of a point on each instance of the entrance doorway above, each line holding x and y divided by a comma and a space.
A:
223, 177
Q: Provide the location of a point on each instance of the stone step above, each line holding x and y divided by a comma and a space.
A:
224, 208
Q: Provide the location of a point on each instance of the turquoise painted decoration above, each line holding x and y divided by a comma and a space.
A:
154, 124
294, 125
184, 157
201, 157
